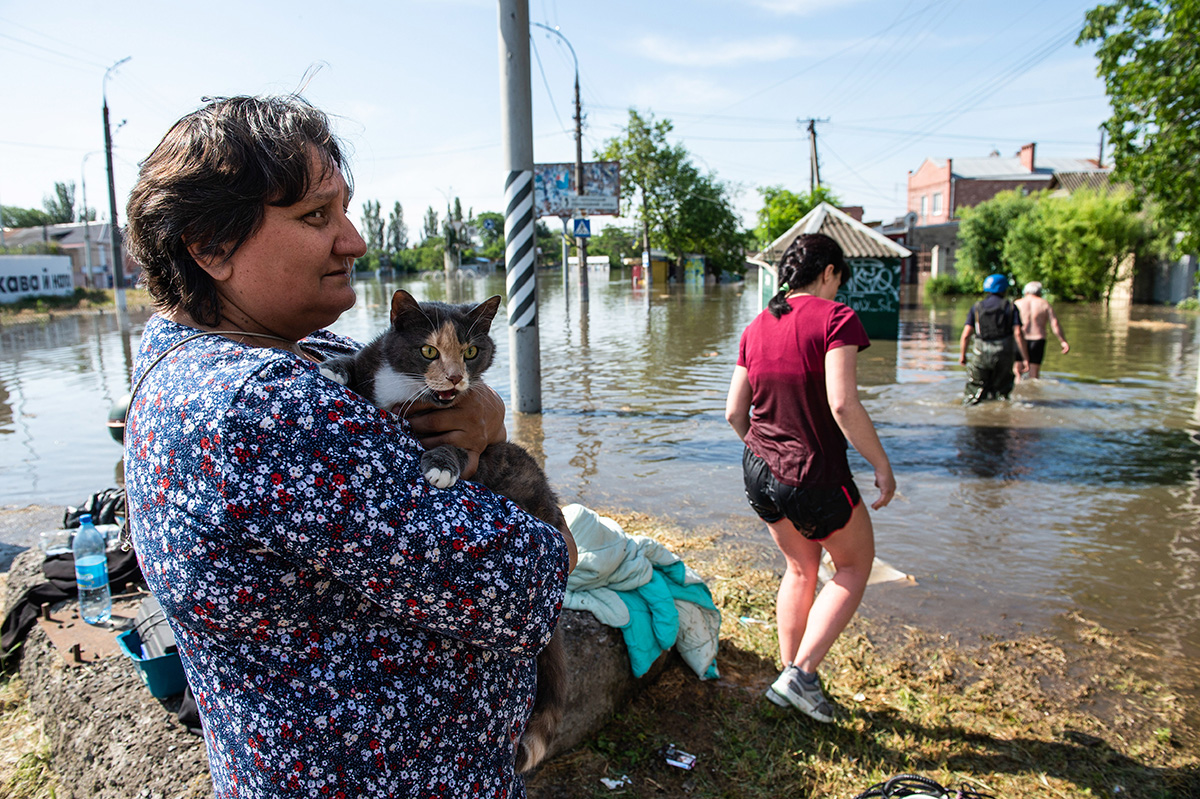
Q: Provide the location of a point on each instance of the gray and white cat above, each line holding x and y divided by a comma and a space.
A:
437, 352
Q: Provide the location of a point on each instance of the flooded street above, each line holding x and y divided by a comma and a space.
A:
1082, 493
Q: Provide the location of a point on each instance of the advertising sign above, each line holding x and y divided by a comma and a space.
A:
554, 191
34, 276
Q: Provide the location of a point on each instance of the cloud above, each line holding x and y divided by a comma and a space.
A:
801, 7
718, 54
680, 92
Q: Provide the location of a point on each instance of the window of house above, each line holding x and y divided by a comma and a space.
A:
937, 203
924, 205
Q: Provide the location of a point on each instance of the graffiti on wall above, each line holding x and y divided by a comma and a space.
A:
874, 286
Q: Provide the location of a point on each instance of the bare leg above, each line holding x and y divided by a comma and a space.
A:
853, 551
798, 588
1035, 371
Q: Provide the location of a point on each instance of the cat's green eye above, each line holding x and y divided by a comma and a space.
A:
429, 352
470, 352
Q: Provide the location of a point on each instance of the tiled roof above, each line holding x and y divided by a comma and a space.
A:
1074, 181
996, 168
67, 235
856, 239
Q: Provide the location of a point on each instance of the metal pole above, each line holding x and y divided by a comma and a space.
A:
581, 242
516, 111
87, 235
118, 265
565, 237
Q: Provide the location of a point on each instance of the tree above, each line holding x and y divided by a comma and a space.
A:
782, 209
981, 232
397, 231
616, 242
1075, 245
681, 209
372, 226
491, 234
60, 206
12, 216
1150, 63
430, 228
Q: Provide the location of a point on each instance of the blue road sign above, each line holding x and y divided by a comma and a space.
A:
582, 228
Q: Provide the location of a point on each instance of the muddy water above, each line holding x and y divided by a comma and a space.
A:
1082, 493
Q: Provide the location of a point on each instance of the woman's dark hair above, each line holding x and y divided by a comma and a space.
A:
207, 185
802, 263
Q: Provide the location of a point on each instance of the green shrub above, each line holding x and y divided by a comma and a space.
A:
943, 286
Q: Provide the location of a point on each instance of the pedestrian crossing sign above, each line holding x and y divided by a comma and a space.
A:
582, 228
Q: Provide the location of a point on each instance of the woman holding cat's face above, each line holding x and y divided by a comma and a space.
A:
338, 618
797, 369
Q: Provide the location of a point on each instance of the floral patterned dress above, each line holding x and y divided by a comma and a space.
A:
347, 629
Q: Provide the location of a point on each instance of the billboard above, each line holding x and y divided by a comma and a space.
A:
24, 276
554, 189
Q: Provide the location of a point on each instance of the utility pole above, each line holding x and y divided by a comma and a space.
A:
1100, 157
581, 242
90, 279
814, 166
118, 265
516, 113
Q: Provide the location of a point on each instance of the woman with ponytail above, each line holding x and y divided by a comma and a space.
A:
797, 370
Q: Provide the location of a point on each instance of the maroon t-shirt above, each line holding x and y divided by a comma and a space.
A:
792, 427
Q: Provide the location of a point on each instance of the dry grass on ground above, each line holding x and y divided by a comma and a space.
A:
1017, 718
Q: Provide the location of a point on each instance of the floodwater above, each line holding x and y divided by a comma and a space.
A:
1081, 494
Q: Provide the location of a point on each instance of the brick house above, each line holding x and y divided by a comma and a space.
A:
939, 190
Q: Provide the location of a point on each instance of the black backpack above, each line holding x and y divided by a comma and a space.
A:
995, 323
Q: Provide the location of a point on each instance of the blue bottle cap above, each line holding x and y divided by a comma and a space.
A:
85, 518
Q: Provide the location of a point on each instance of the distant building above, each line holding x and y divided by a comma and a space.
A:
84, 244
938, 191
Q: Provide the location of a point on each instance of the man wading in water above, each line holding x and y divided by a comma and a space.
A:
996, 324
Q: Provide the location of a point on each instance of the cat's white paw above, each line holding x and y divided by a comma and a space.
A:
336, 377
441, 478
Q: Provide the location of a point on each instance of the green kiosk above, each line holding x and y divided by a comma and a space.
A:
874, 288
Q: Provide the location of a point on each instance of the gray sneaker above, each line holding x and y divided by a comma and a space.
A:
792, 688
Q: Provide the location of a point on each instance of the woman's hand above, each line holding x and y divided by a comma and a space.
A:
474, 422
885, 481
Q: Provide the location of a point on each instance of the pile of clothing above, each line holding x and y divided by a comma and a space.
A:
635, 584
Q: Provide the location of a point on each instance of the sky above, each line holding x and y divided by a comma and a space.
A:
414, 88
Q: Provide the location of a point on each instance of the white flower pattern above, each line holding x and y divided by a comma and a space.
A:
338, 617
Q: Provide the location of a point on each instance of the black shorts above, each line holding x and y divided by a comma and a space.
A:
816, 511
1037, 350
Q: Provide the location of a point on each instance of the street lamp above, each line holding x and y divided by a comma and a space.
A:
580, 242
117, 262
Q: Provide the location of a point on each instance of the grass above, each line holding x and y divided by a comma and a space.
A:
81, 300
1013, 718
25, 770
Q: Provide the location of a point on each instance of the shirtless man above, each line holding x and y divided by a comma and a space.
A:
1035, 313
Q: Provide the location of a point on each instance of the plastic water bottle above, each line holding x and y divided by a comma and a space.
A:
91, 573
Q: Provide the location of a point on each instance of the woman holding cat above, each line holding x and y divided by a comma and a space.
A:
346, 628
797, 369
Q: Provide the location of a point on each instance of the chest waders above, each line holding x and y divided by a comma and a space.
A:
990, 369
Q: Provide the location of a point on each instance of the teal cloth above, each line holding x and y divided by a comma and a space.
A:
637, 585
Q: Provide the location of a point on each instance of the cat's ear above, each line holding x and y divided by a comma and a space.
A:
483, 314
403, 303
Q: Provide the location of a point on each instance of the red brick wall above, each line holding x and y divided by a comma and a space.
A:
930, 179
968, 193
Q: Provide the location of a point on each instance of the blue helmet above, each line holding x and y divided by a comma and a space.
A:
995, 284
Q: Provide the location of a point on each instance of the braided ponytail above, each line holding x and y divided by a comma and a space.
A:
802, 264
